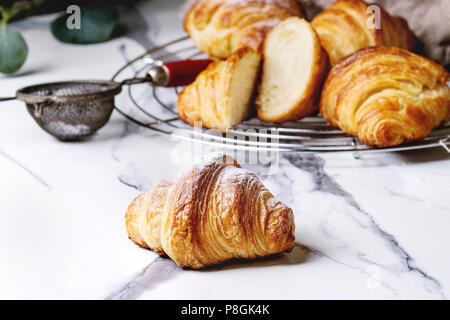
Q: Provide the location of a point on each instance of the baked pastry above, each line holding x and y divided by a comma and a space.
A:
213, 212
386, 96
220, 27
348, 25
220, 96
293, 70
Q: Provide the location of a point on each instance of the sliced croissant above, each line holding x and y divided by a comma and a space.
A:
293, 71
349, 25
386, 96
220, 96
214, 212
220, 27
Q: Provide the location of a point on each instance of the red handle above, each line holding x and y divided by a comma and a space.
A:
182, 73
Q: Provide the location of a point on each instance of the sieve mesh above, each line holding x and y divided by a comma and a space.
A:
71, 110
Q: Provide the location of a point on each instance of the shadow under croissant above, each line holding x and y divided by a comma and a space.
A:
163, 269
418, 156
298, 255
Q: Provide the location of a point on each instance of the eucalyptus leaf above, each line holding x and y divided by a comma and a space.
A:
13, 49
96, 24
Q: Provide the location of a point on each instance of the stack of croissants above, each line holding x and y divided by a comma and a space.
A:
353, 63
358, 72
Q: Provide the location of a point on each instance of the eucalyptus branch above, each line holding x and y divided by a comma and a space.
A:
8, 14
4, 16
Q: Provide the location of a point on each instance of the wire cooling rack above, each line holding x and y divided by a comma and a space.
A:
311, 134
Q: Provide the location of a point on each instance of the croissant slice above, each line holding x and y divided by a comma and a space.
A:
349, 25
386, 96
220, 27
220, 96
293, 71
213, 212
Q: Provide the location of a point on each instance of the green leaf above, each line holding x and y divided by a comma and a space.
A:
96, 25
13, 49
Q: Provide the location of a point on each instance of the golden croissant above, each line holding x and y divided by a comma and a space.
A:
214, 212
220, 27
386, 96
293, 70
349, 25
220, 97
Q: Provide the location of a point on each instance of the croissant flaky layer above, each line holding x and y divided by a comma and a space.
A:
349, 25
213, 212
386, 96
220, 96
220, 27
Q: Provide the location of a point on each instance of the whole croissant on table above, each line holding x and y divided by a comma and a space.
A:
349, 25
214, 212
220, 27
386, 96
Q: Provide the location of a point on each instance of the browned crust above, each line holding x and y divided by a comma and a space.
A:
198, 8
243, 18
412, 96
217, 211
202, 99
342, 66
188, 106
131, 223
346, 19
139, 213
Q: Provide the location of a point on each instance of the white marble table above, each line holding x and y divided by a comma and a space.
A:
378, 227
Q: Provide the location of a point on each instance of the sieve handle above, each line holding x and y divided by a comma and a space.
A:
7, 99
177, 73
182, 73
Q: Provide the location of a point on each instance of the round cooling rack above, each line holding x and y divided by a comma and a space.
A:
155, 108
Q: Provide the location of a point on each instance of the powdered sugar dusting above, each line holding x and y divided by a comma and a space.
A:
231, 172
282, 3
65, 129
188, 4
269, 23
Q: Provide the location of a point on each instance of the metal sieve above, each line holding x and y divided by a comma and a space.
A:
70, 110
73, 110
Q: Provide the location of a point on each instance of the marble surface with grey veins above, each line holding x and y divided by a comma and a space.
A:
376, 227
